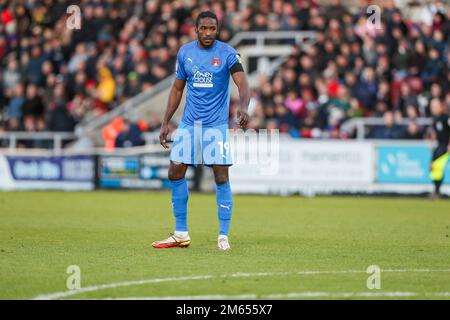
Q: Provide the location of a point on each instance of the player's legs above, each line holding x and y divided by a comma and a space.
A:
224, 199
181, 155
180, 195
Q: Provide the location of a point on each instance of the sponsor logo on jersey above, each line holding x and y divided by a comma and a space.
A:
203, 79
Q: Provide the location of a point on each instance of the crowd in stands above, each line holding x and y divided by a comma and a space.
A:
52, 77
393, 72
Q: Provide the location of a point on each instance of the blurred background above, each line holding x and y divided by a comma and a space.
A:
81, 109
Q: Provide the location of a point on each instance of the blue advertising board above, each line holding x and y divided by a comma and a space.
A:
146, 171
405, 164
35, 168
34, 172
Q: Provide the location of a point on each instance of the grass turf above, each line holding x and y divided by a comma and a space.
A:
109, 234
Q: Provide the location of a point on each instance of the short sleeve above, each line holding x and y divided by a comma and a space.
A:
180, 72
233, 58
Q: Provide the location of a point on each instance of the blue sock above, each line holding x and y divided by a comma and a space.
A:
180, 195
224, 206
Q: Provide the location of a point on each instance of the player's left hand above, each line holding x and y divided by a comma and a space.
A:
243, 118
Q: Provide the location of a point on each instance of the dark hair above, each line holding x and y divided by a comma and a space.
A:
206, 14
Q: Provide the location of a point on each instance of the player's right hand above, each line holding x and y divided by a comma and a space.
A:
243, 118
163, 136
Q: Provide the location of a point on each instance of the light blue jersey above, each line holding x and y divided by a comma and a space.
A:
207, 73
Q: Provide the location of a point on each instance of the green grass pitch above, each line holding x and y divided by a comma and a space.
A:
286, 247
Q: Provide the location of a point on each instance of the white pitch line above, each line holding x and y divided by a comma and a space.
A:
293, 295
62, 294
355, 294
200, 297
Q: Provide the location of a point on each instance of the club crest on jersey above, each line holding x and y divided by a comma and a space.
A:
215, 62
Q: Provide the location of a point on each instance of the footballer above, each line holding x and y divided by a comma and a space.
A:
205, 65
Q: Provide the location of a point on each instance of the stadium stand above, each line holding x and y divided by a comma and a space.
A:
53, 78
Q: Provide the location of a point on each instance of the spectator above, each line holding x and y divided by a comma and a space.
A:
106, 86
295, 104
384, 93
59, 118
111, 131
406, 99
14, 110
413, 132
130, 136
11, 76
432, 69
401, 59
390, 130
336, 10
312, 124
33, 106
33, 70
285, 118
342, 102
417, 58
380, 108
367, 89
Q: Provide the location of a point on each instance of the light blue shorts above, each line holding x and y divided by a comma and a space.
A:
197, 144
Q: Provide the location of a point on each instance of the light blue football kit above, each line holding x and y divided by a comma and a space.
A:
202, 135
207, 75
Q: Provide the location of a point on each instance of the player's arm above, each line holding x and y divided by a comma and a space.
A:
241, 82
172, 105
